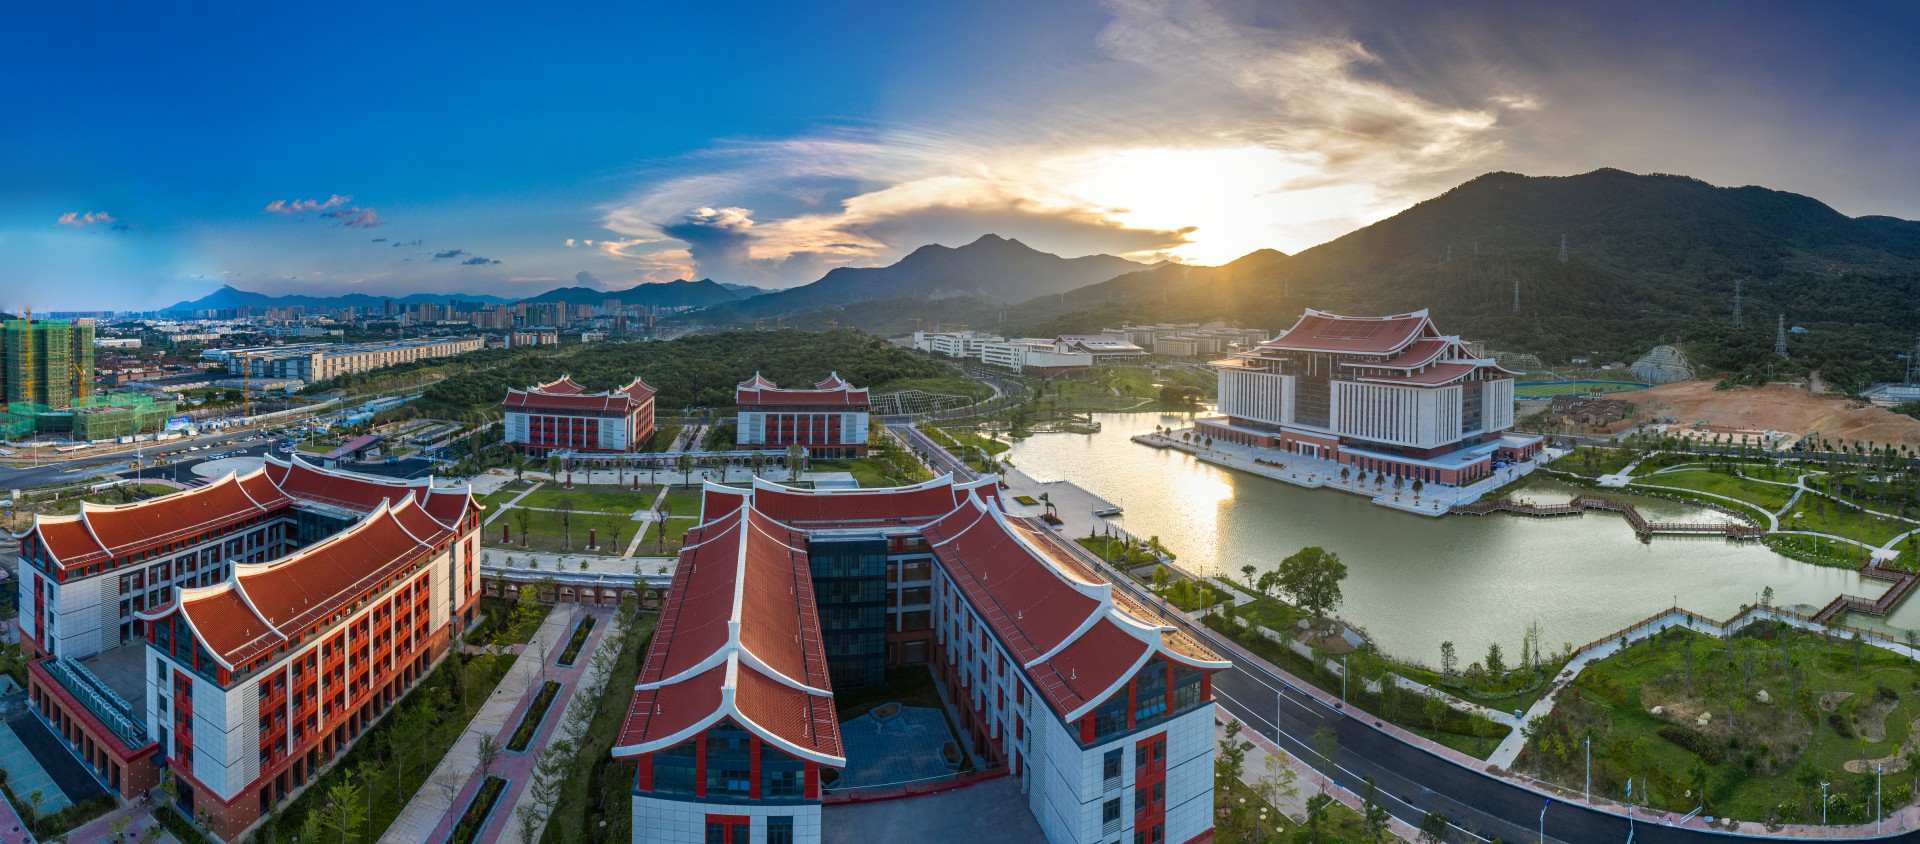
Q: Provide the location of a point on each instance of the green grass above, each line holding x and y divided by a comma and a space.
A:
1338, 823
500, 625
1766, 496
1538, 391
596, 789
478, 811
596, 499
536, 713
1837, 519
676, 529
1594, 461
1757, 761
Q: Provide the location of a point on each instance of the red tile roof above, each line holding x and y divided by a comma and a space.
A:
1438, 374
1323, 332
738, 639
101, 532
566, 395
834, 391
820, 509
265, 604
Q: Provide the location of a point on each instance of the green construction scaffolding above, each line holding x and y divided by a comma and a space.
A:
92, 418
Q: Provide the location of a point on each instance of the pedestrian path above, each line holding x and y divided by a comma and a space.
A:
450, 785
502, 509
566, 721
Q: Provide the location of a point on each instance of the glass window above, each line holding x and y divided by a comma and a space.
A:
1111, 717
1111, 811
1150, 691
1112, 767
780, 829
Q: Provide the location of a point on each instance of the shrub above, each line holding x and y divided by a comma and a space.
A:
1692, 742
1839, 725
1887, 694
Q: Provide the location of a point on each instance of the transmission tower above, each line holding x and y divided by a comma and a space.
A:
1736, 303
1563, 249
1780, 337
1516, 295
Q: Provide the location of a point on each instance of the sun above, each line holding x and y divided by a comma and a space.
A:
1237, 199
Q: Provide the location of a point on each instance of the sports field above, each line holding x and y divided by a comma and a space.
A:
1544, 389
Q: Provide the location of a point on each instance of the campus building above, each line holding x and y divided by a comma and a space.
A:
319, 361
783, 595
829, 420
1385, 395
1036, 357
562, 416
242, 633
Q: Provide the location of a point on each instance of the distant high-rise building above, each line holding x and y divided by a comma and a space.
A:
47, 362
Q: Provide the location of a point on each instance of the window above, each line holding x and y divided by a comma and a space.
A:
1139, 756
1110, 816
1111, 769
780, 829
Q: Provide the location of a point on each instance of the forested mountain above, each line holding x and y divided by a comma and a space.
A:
1649, 259
699, 370
230, 297
665, 294
992, 268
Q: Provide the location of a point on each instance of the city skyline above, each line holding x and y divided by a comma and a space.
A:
163, 155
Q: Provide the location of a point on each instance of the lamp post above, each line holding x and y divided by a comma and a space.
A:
1823, 804
1543, 822
1589, 748
1879, 771
1343, 680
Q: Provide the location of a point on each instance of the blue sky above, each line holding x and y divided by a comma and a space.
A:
495, 148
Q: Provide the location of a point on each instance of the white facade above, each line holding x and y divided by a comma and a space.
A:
1259, 396
1022, 355
661, 821
954, 344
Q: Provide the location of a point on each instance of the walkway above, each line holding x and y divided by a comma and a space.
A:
569, 710
452, 781
502, 509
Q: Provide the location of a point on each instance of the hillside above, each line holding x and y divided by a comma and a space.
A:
666, 294
992, 269
1649, 259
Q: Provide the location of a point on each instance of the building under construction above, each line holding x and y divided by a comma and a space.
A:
46, 362
92, 418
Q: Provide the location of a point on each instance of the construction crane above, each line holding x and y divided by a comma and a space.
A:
916, 322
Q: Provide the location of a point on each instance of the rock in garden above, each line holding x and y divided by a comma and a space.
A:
1763, 697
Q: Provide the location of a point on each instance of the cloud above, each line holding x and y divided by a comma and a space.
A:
379, 240
80, 221
1189, 131
449, 254
477, 261
569, 243
586, 279
290, 206
356, 217
399, 243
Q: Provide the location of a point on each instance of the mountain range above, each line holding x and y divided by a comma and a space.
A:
666, 294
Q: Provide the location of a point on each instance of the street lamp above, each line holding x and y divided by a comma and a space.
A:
1823, 804
1343, 680
1588, 743
1543, 822
1878, 772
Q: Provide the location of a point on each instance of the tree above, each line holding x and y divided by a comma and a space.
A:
1233, 752
1436, 708
1249, 571
1434, 828
1268, 583
523, 518
1160, 578
1278, 781
564, 510
488, 753
1495, 664
1376, 816
345, 813
1326, 742
1317, 806
1312, 576
614, 525
1449, 660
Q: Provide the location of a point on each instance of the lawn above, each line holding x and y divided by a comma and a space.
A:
1593, 461
1788, 710
594, 804
502, 624
596, 499
1769, 497
1116, 550
1236, 820
1832, 517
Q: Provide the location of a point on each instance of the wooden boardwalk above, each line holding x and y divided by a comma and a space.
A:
1902, 584
1731, 530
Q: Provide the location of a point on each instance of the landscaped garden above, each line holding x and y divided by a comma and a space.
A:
474, 819
593, 801
1745, 728
575, 642
536, 712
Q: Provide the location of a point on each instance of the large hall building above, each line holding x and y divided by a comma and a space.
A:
561, 415
782, 596
829, 421
1387, 395
240, 634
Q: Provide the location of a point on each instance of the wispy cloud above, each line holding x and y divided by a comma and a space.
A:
1198, 135
449, 254
477, 261
292, 206
79, 220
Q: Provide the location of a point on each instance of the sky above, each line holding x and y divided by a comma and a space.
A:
150, 153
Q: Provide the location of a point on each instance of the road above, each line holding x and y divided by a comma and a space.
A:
1413, 780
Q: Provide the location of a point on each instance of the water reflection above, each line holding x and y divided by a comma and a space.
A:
1415, 581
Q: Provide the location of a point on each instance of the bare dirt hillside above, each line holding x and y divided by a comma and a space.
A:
1778, 407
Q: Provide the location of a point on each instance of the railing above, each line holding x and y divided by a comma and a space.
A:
1731, 530
910, 788
99, 699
